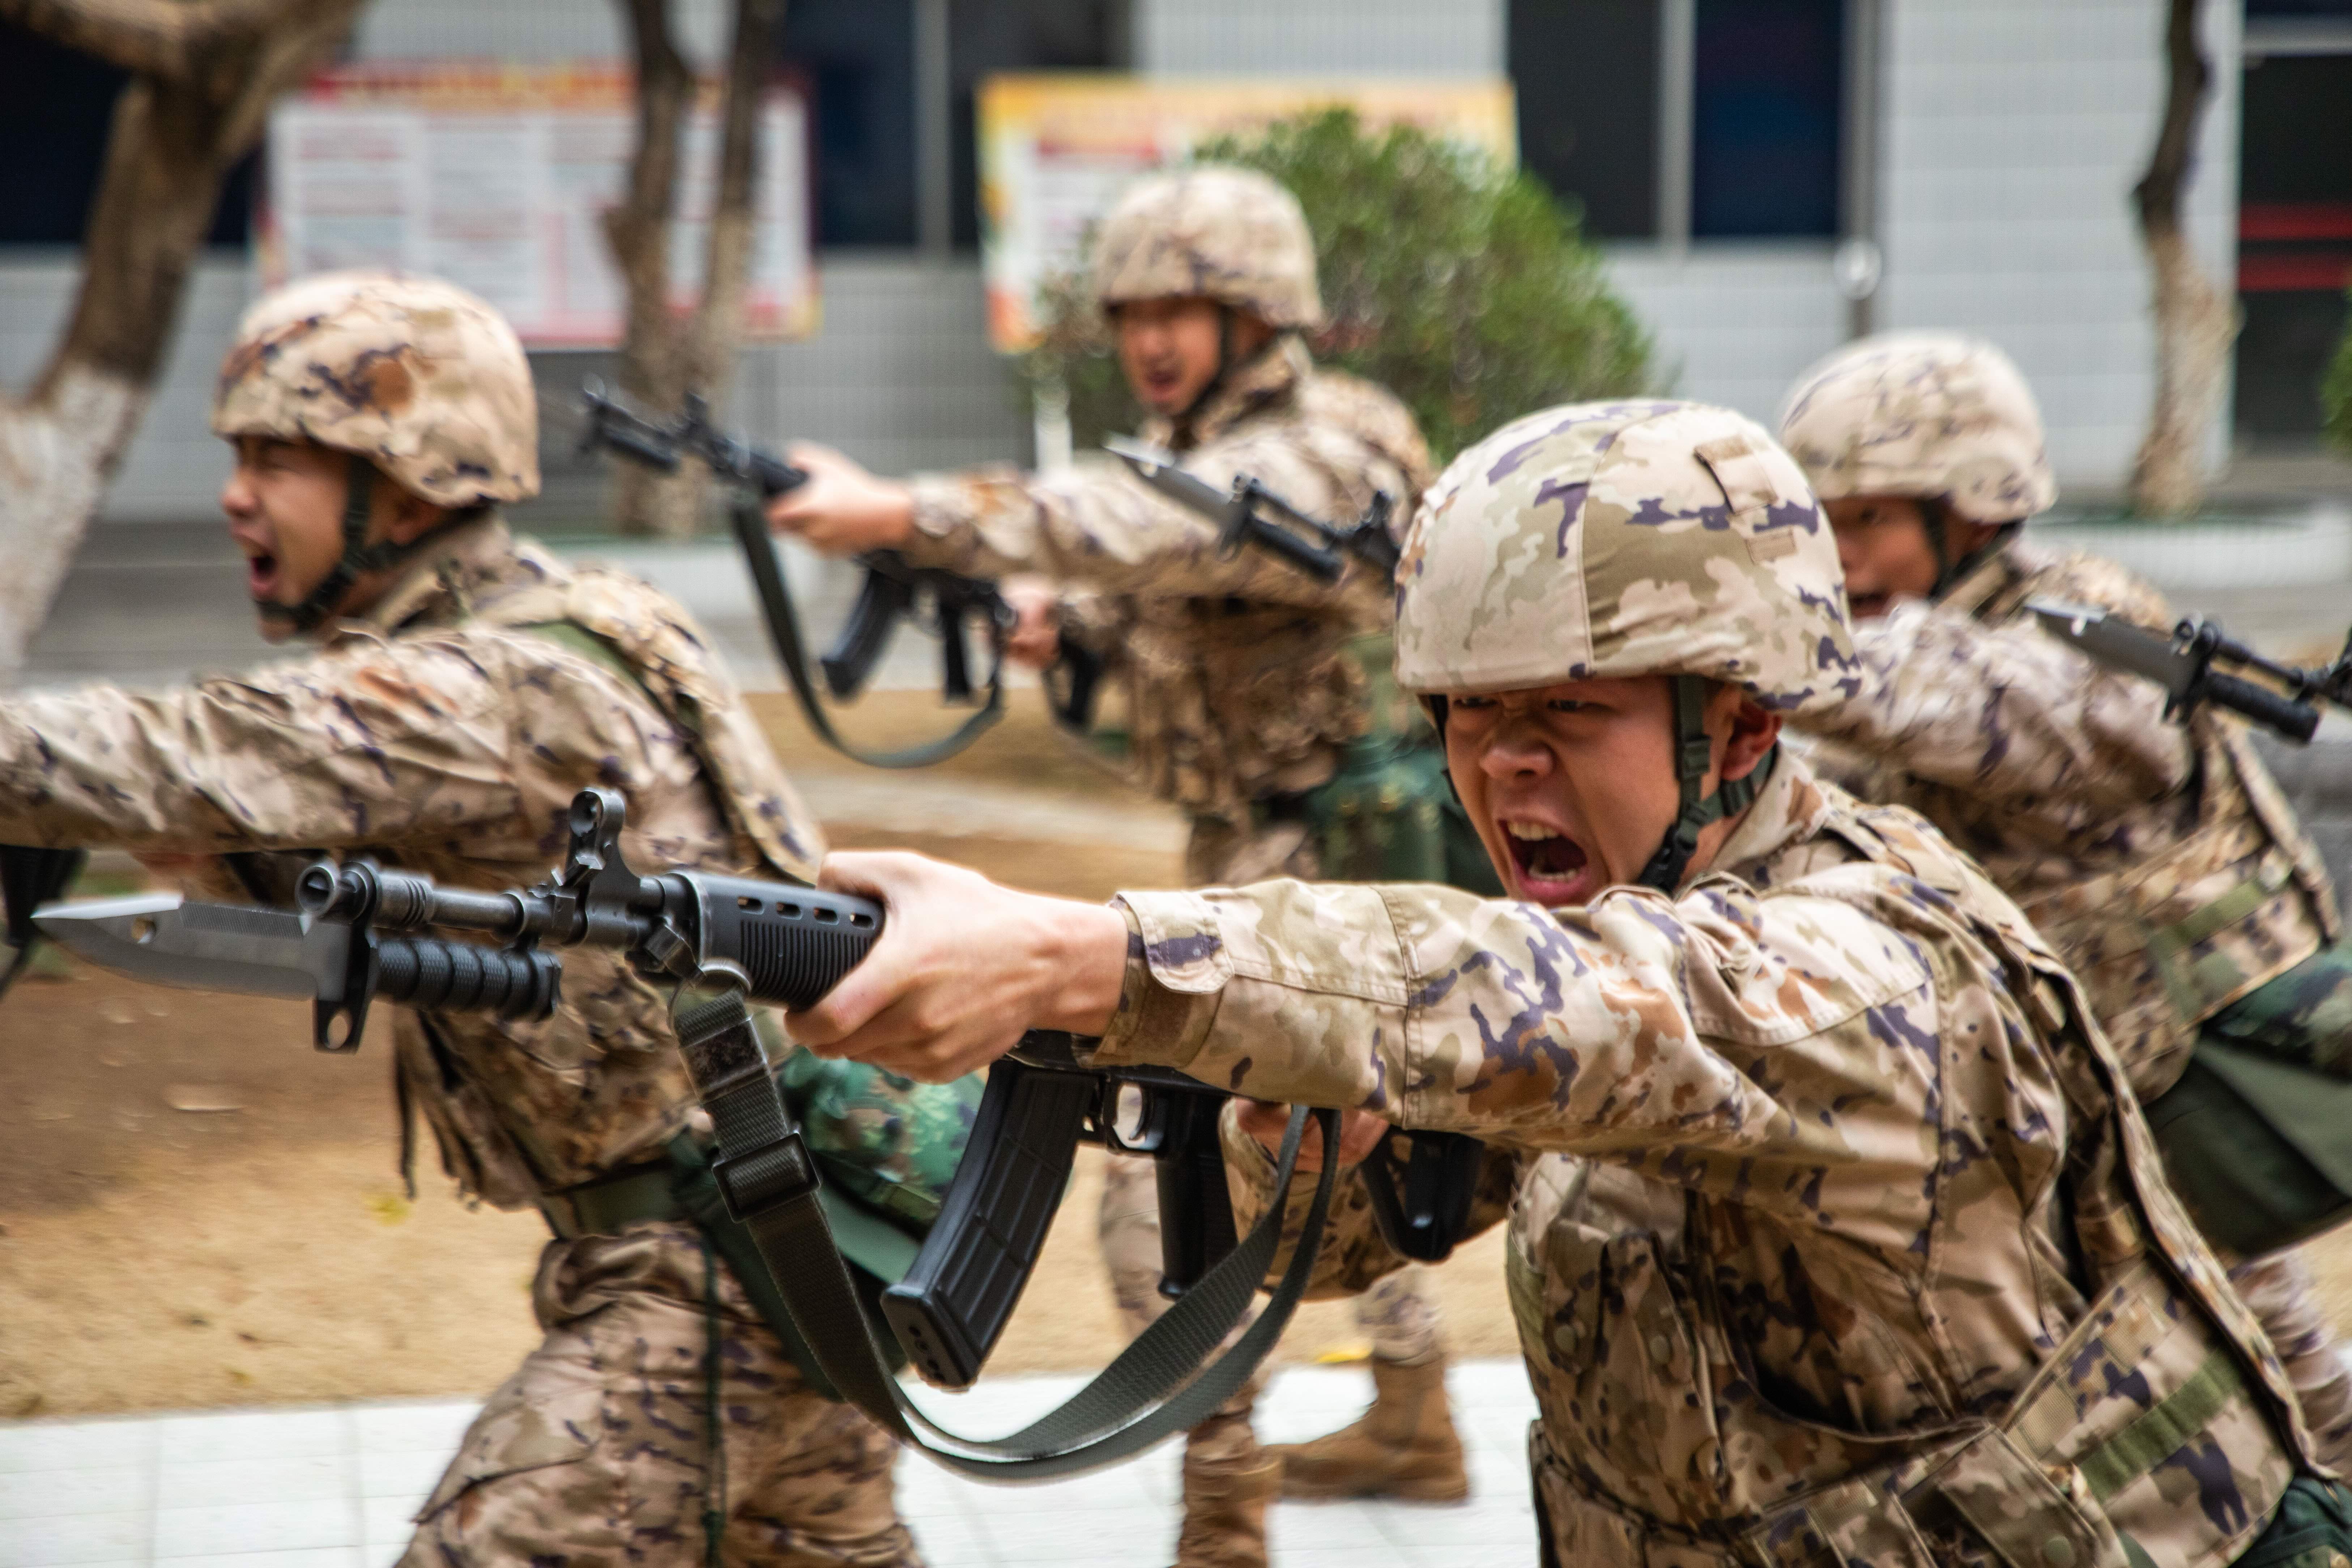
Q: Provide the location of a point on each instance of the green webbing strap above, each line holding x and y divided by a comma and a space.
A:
2159, 1435
765, 1170
2207, 918
2169, 944
579, 639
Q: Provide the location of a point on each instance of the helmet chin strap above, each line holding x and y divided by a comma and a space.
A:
1948, 571
358, 557
1693, 752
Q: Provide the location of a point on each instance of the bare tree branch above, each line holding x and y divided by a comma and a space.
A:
638, 231
718, 315
151, 38
178, 129
2195, 321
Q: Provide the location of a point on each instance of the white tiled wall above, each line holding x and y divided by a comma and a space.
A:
1320, 37
2014, 131
1733, 323
531, 30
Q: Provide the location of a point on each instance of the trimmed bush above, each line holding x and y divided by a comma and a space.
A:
1464, 288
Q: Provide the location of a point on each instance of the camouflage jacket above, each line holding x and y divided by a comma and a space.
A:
439, 735
1235, 673
2163, 863
1834, 1236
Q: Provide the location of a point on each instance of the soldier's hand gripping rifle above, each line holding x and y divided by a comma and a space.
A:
2183, 665
893, 591
362, 932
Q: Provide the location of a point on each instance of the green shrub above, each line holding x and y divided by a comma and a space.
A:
1464, 288
2335, 389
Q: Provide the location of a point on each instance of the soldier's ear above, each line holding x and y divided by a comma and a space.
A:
1753, 728
411, 517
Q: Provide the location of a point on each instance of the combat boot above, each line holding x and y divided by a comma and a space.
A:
1404, 1446
1228, 1482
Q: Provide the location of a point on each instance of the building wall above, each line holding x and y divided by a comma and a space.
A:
901, 377
1320, 37
1733, 321
2013, 132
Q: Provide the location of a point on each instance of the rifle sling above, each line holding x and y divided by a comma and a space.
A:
784, 631
771, 1183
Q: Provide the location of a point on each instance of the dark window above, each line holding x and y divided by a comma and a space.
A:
858, 59
55, 107
989, 36
1765, 122
2294, 237
1586, 73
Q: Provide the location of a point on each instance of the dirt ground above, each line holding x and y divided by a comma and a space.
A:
197, 1209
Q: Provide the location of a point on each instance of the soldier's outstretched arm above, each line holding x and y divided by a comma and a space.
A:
2003, 712
366, 743
1098, 527
1712, 1042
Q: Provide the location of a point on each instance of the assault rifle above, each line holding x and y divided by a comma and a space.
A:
1254, 515
362, 933
2183, 665
892, 593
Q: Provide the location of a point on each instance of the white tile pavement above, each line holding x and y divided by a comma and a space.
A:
334, 1486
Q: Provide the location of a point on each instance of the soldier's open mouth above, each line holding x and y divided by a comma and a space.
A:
260, 574
1552, 866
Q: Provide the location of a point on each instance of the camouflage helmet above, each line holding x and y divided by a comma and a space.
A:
420, 378
1229, 235
1605, 540
1931, 415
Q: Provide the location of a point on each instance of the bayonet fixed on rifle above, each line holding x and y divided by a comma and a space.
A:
362, 932
2182, 664
893, 590
1251, 514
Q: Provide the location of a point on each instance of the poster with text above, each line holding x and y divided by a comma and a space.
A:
499, 178
1057, 150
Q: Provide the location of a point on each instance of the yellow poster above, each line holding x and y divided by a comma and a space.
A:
1057, 150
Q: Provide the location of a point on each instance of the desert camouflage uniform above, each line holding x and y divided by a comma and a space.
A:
446, 732
2118, 832
1784, 1160
438, 736
1835, 1235
1239, 681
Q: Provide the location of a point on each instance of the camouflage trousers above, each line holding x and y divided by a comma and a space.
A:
597, 1452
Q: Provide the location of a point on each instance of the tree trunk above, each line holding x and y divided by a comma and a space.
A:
661, 358
2195, 321
207, 75
645, 501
